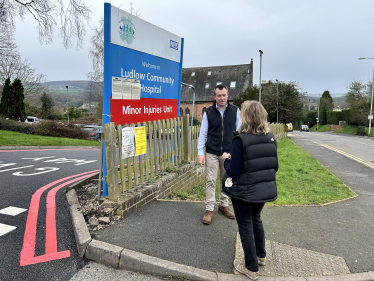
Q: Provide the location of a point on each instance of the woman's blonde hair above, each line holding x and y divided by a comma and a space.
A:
254, 118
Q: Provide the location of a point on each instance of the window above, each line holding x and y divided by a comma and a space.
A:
180, 111
233, 84
193, 74
218, 83
187, 110
207, 86
209, 73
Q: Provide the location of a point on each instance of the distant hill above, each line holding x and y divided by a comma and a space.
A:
75, 93
338, 100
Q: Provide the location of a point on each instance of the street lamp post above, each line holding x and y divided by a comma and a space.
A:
67, 101
277, 98
372, 90
259, 97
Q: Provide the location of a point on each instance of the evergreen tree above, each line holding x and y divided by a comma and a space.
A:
6, 98
248, 94
326, 104
47, 105
17, 108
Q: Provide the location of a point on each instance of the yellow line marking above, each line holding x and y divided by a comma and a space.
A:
349, 156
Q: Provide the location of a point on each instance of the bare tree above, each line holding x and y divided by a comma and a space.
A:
12, 66
72, 15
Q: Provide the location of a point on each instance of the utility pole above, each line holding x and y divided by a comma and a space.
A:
261, 52
319, 102
277, 98
67, 101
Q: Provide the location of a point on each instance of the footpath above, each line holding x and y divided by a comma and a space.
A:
167, 238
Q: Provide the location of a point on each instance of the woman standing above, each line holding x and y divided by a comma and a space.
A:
252, 166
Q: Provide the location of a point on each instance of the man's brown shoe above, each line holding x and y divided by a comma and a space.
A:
207, 219
240, 267
226, 212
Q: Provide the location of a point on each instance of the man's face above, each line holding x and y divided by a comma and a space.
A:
221, 97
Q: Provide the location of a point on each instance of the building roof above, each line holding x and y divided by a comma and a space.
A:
199, 77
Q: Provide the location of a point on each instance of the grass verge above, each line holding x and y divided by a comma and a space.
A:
9, 138
323, 128
301, 180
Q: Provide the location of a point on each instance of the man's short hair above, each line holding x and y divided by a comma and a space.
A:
220, 86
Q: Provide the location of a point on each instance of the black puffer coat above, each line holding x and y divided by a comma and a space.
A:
256, 182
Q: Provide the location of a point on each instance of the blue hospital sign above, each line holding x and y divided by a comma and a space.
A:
142, 70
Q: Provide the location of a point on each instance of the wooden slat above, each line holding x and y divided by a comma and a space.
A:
157, 145
168, 146
164, 154
135, 166
129, 171
141, 163
121, 161
173, 142
151, 148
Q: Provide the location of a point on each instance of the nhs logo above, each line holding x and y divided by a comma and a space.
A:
174, 45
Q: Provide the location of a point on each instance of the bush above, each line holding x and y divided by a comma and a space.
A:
333, 117
45, 128
361, 130
15, 126
195, 122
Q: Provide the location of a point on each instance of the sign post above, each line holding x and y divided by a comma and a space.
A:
142, 71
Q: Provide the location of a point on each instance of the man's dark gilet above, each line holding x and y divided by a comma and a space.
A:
220, 130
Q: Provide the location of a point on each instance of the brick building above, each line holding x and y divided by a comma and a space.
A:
237, 78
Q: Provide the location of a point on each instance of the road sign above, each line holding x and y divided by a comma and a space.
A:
370, 116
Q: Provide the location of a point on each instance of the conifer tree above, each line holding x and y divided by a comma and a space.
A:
17, 108
6, 98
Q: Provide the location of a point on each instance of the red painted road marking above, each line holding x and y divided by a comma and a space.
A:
27, 256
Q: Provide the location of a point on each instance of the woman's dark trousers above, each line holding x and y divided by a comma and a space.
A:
251, 230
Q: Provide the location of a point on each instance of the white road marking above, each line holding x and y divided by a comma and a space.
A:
16, 168
12, 211
44, 170
4, 229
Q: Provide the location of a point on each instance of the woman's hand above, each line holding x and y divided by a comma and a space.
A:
225, 155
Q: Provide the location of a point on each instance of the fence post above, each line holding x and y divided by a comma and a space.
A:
111, 160
186, 135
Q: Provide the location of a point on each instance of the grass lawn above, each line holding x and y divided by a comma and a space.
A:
301, 180
9, 138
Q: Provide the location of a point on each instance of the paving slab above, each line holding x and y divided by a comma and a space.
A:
284, 260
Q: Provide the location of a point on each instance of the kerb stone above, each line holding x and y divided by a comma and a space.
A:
142, 263
103, 252
81, 233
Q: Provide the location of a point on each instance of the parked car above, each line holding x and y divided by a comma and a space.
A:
289, 127
32, 120
304, 128
94, 131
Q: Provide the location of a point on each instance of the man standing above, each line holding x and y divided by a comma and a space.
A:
219, 122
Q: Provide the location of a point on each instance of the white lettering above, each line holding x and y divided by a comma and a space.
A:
129, 110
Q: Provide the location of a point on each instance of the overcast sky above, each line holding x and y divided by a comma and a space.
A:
316, 43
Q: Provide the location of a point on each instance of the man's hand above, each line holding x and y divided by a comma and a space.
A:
225, 155
201, 160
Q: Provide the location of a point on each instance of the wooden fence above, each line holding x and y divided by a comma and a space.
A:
169, 142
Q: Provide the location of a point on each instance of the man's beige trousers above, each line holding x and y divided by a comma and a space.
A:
212, 163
